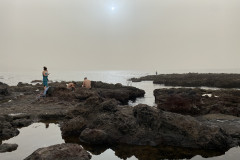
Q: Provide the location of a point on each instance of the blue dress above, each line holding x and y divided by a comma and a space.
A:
45, 79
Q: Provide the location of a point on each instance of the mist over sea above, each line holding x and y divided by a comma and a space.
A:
12, 78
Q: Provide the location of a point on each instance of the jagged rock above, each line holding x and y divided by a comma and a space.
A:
84, 93
145, 125
198, 101
73, 127
230, 124
109, 105
21, 122
63, 151
7, 130
94, 101
94, 136
4, 89
5, 147
118, 92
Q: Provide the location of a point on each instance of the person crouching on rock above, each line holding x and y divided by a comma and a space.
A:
45, 77
86, 83
72, 86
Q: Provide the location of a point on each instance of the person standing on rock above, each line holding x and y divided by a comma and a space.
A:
45, 77
86, 83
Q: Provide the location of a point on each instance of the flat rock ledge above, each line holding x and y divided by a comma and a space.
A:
65, 151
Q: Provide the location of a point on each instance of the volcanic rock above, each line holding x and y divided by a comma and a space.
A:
198, 101
5, 147
63, 151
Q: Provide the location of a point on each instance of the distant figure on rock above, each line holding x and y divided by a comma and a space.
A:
156, 73
86, 83
72, 86
45, 77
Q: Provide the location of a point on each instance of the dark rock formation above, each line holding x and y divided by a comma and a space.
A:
143, 125
21, 120
5, 147
60, 152
36, 81
99, 89
7, 129
198, 101
94, 136
25, 98
73, 127
117, 91
194, 80
230, 124
4, 91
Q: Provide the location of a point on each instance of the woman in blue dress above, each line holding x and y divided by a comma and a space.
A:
45, 77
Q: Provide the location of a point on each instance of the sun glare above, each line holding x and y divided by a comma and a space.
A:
113, 8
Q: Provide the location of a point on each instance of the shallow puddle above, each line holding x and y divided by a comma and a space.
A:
31, 138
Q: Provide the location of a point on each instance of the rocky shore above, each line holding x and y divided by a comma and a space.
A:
184, 118
197, 101
222, 80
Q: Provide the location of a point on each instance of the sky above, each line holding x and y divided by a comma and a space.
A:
119, 34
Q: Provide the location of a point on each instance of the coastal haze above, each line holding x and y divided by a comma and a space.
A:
119, 35
136, 108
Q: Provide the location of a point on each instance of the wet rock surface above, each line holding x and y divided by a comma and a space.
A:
5, 147
198, 101
194, 80
145, 125
230, 124
60, 152
7, 127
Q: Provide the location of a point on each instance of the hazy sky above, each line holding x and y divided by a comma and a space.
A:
119, 34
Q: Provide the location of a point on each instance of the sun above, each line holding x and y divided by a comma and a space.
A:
113, 8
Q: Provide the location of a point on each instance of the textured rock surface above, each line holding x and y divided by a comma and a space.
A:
198, 101
7, 128
5, 147
60, 152
144, 125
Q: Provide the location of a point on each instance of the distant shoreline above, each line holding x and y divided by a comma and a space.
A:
219, 80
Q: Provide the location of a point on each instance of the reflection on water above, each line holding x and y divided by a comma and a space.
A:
31, 138
149, 87
40, 135
132, 152
232, 154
